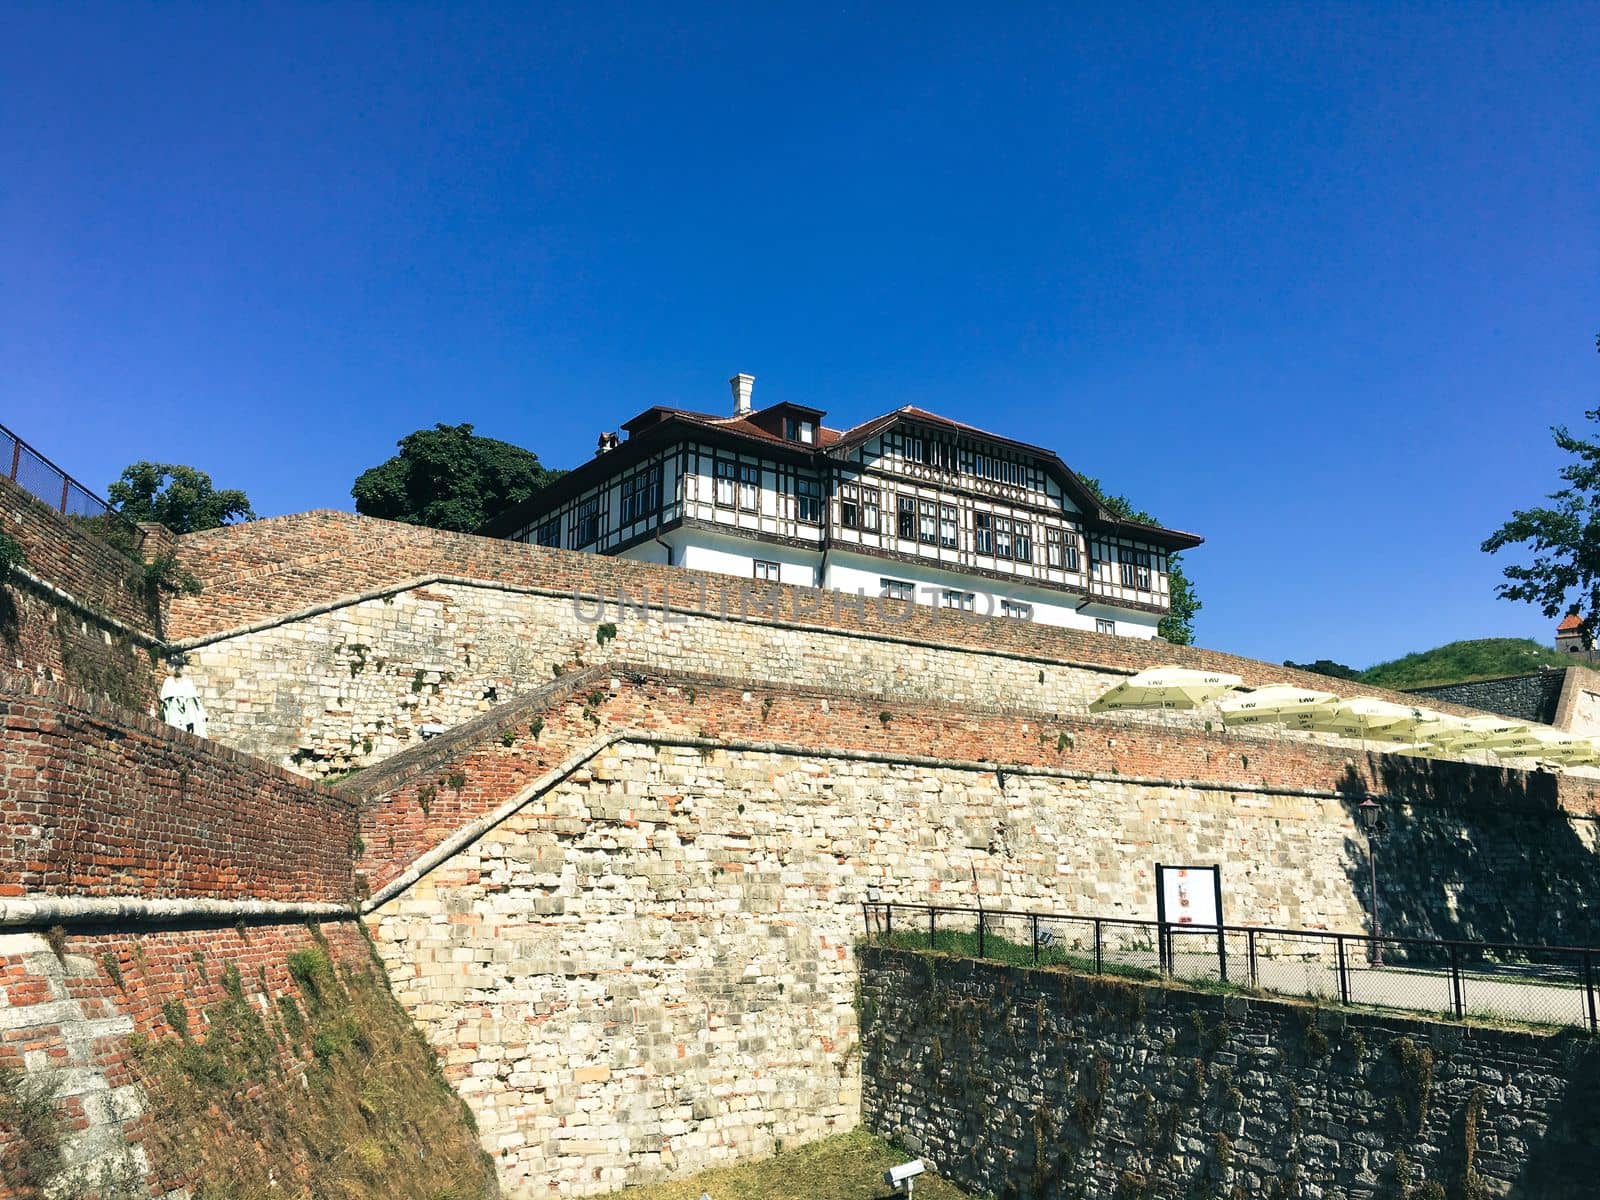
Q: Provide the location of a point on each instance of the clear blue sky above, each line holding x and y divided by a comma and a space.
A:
1311, 281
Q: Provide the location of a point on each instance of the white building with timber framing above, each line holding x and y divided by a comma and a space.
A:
907, 505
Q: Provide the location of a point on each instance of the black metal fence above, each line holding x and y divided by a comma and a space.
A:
1502, 981
35, 473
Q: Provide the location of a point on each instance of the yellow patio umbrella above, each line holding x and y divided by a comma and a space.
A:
1277, 704
1166, 687
1480, 733
1365, 717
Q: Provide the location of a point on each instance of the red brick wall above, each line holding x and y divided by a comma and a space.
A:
96, 801
98, 1011
84, 566
268, 569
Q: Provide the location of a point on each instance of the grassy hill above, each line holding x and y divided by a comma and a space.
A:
1459, 662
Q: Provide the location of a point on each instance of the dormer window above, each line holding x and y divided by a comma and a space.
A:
798, 430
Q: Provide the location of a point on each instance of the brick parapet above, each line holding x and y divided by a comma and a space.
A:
101, 803
85, 569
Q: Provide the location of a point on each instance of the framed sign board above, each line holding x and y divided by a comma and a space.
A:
1189, 897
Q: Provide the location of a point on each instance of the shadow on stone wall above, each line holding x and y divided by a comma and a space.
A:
1474, 854
1561, 1163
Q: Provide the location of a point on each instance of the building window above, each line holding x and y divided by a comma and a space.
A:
927, 522
1061, 548
766, 570
548, 534
1002, 537
586, 522
749, 487
1015, 608
797, 430
871, 499
641, 495
727, 473
808, 500
896, 589
947, 526
908, 518
1135, 569
960, 601
1024, 542
1101, 625
983, 533
850, 505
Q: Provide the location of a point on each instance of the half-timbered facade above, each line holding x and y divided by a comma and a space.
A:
909, 505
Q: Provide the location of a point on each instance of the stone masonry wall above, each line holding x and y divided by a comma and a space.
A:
646, 965
1026, 1082
1530, 697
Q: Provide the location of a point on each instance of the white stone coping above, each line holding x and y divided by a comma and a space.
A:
79, 910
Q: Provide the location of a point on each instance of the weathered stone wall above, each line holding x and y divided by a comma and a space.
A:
219, 1062
644, 964
1531, 697
1018, 1082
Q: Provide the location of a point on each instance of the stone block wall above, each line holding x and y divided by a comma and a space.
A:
641, 963
1025, 1082
1531, 697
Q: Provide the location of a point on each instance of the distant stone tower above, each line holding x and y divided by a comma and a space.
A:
1569, 635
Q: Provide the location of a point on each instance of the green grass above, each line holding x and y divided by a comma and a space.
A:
1462, 662
847, 1167
999, 949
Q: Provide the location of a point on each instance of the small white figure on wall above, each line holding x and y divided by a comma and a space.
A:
180, 702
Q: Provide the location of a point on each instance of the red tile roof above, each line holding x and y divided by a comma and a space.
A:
1571, 623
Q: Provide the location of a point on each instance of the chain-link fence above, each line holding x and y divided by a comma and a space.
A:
1526, 984
35, 473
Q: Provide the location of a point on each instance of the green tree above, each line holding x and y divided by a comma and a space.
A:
1564, 538
447, 477
181, 498
1178, 625
1325, 666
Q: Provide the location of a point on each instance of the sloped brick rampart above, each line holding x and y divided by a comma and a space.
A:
99, 803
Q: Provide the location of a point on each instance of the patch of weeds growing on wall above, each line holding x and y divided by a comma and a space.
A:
1410, 1104
331, 1092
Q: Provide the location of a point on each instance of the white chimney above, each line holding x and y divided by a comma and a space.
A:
742, 386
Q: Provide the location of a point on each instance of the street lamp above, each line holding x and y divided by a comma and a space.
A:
1373, 826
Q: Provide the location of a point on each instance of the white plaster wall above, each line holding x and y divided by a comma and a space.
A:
702, 551
859, 573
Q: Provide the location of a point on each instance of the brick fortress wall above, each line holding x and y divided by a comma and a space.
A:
74, 612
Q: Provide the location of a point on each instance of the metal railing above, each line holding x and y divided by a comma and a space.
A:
1502, 981
36, 474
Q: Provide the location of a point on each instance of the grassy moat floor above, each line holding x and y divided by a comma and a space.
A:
847, 1167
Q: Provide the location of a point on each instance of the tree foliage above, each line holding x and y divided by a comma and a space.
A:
1178, 625
1563, 538
1325, 666
181, 498
448, 477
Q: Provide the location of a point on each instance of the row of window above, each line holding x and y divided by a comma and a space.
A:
738, 485
926, 521
947, 456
